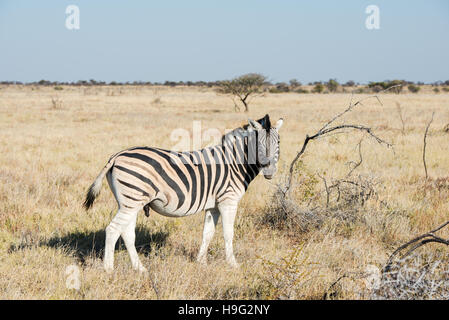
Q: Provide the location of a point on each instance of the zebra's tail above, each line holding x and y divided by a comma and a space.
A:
95, 187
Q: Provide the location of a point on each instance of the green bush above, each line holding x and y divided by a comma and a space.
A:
58, 88
383, 85
377, 88
414, 89
318, 88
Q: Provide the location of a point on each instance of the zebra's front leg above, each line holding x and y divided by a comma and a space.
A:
210, 222
228, 211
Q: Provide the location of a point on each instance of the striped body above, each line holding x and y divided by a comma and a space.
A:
182, 183
177, 184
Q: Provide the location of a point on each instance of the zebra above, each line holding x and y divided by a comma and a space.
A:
178, 184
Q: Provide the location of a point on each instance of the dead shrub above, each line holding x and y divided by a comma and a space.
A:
416, 277
303, 209
285, 214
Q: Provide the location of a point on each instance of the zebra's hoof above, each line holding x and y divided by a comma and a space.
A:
234, 264
108, 270
143, 270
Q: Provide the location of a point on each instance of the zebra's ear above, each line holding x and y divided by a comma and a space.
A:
279, 124
254, 124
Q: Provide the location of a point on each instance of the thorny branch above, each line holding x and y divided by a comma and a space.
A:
416, 243
327, 129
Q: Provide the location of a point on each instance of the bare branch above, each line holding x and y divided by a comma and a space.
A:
326, 129
418, 242
398, 108
354, 275
356, 164
359, 102
425, 145
327, 190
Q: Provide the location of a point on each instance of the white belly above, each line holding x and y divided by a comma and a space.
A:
169, 210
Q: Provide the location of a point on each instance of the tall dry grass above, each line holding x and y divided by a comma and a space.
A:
50, 155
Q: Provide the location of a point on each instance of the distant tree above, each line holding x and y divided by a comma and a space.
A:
44, 82
294, 83
243, 87
318, 88
279, 87
379, 86
349, 83
332, 85
282, 87
170, 83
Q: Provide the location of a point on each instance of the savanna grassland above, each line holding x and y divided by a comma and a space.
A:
53, 143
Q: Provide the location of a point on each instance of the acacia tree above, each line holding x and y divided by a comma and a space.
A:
332, 85
243, 87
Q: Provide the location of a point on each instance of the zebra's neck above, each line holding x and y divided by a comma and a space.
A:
239, 150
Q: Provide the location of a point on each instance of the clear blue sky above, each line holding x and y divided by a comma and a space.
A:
214, 40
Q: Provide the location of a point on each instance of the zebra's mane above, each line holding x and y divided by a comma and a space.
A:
243, 130
237, 132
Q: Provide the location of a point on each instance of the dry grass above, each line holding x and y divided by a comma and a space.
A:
50, 155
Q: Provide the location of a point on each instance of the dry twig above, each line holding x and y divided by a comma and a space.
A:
327, 129
398, 107
418, 242
425, 145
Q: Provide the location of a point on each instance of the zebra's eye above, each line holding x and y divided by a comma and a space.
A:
266, 164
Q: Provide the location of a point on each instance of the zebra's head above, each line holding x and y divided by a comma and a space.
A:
267, 144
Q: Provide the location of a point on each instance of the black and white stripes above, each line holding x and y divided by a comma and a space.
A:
183, 183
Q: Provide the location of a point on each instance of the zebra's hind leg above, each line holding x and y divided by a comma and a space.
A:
123, 224
129, 237
112, 235
210, 221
